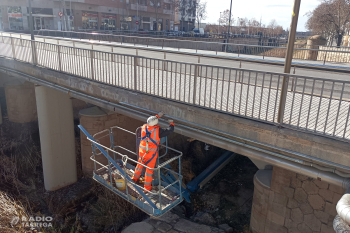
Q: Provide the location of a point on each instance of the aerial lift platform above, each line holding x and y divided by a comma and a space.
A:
117, 171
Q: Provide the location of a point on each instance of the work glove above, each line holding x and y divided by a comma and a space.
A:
160, 114
170, 121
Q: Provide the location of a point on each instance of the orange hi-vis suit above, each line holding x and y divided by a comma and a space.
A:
148, 153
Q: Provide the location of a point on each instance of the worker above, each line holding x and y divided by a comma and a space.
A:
148, 149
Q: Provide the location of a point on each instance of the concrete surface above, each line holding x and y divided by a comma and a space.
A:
56, 128
20, 101
267, 134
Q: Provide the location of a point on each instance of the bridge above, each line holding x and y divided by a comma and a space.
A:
305, 130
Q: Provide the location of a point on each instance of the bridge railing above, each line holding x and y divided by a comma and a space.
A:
262, 50
320, 106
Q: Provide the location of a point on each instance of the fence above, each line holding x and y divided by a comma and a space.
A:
320, 106
270, 49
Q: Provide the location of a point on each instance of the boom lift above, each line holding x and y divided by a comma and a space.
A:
114, 167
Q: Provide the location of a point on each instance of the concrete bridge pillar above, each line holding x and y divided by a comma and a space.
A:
285, 201
314, 42
20, 101
56, 127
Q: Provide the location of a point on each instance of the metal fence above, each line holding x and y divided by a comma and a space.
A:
322, 54
320, 106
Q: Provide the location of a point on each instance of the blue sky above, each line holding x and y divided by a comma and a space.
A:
281, 10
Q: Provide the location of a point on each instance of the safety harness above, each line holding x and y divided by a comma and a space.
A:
147, 138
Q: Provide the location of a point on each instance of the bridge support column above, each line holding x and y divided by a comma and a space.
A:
20, 101
56, 127
95, 120
314, 42
285, 201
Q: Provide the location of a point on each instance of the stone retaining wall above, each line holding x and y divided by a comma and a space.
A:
293, 203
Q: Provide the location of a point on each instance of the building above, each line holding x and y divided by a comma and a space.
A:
88, 15
185, 16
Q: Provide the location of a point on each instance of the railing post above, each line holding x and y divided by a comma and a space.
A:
34, 55
59, 58
92, 64
195, 83
13, 49
135, 73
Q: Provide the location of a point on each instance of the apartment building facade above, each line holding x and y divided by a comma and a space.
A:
88, 15
185, 15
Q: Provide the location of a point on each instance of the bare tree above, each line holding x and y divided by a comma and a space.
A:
201, 10
225, 18
330, 19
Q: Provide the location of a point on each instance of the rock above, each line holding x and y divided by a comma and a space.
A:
310, 187
306, 208
205, 218
179, 210
316, 202
191, 227
300, 195
297, 216
302, 227
172, 231
312, 222
212, 199
326, 194
168, 217
164, 227
139, 227
226, 228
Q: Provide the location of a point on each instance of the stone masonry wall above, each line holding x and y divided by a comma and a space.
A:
294, 203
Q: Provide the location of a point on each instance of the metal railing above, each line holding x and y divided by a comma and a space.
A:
301, 52
320, 106
263, 48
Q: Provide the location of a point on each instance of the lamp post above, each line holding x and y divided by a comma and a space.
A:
289, 58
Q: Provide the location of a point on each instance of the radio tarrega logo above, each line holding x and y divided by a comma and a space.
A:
14, 221
32, 222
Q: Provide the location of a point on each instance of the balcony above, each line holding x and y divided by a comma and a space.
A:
141, 7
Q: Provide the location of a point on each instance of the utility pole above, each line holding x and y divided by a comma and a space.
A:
289, 58
229, 25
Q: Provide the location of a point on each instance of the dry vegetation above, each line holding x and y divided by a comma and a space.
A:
83, 207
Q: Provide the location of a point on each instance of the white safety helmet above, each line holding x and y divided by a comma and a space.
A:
152, 121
